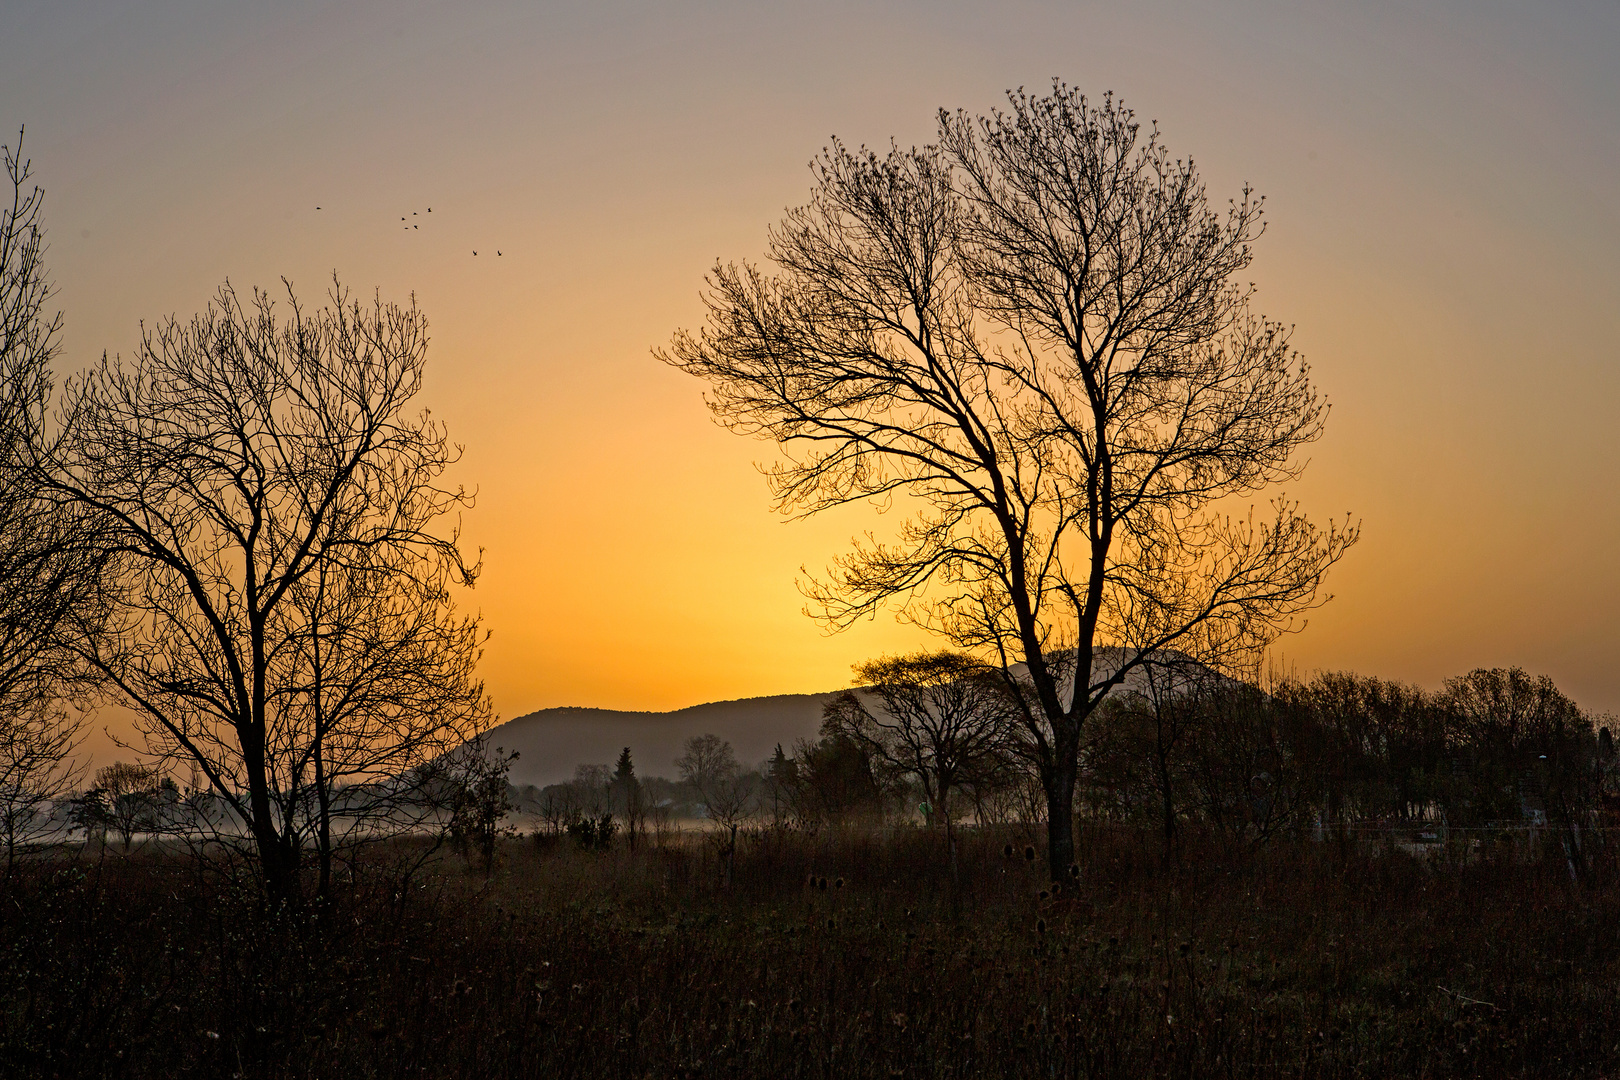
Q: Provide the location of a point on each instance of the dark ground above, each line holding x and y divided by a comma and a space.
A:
1293, 960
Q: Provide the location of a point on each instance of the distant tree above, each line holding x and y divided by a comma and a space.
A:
88, 812
710, 766
559, 806
1376, 748
1174, 692
593, 834
266, 489
132, 794
781, 785
627, 793
38, 773
1535, 742
836, 780
929, 718
1032, 336
473, 782
1246, 765
593, 789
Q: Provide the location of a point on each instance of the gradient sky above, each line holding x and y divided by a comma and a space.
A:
1443, 192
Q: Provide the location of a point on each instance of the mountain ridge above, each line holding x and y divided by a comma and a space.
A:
552, 741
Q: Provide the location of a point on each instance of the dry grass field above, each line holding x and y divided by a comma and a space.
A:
837, 954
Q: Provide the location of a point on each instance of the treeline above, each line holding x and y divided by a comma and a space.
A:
1322, 758
1492, 748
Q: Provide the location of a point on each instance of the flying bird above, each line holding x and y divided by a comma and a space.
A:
317, 208
475, 253
497, 253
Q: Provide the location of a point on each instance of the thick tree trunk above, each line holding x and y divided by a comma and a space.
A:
277, 861
1060, 816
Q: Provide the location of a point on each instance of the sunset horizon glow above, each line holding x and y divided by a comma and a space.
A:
1443, 204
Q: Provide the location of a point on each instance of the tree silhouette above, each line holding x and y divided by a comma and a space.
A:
1029, 338
628, 795
379, 680
929, 717
131, 796
710, 765
266, 491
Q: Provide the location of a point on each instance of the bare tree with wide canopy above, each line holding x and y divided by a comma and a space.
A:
934, 717
1030, 338
282, 620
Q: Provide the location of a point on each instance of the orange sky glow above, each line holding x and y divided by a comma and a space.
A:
1442, 188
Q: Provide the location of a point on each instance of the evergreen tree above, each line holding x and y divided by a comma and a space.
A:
627, 792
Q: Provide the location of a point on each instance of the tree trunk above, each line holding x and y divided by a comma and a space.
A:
1060, 816
275, 857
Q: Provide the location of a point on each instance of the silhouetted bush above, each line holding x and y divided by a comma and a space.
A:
594, 834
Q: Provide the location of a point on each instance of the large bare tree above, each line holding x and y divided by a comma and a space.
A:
1030, 338
282, 618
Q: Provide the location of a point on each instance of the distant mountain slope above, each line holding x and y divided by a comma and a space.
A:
552, 741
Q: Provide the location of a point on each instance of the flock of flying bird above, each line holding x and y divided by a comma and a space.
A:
408, 226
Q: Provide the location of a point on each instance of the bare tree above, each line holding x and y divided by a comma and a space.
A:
559, 807
1244, 760
1176, 693
710, 765
38, 774
592, 789
1030, 337
476, 795
932, 717
131, 793
265, 489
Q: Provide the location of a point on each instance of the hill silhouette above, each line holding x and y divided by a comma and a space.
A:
552, 741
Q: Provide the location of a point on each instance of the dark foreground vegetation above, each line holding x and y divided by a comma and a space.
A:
843, 953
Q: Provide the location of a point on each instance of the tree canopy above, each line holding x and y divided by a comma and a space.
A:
1030, 339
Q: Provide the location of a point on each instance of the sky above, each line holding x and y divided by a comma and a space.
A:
1442, 186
